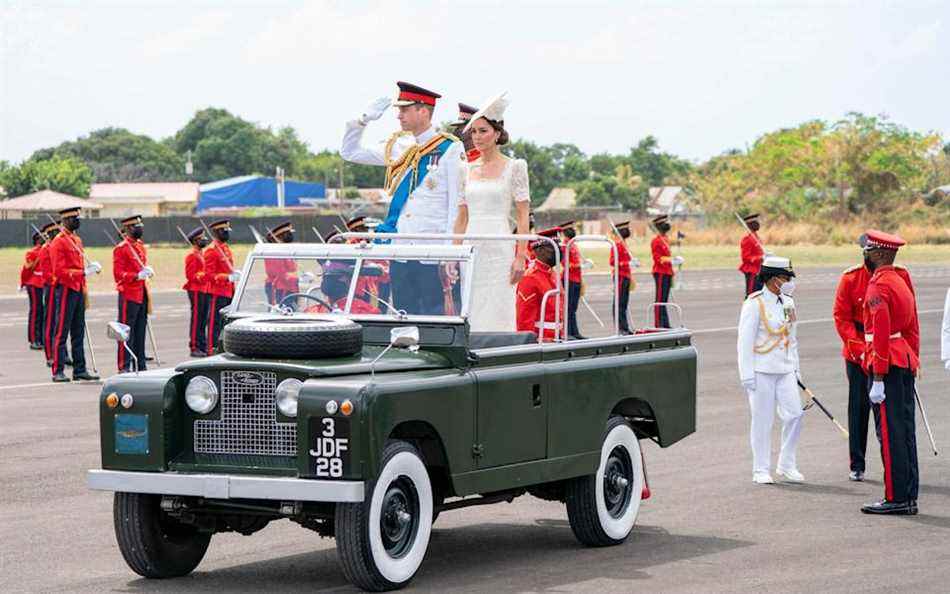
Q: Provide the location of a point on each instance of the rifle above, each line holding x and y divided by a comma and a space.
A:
923, 416
749, 231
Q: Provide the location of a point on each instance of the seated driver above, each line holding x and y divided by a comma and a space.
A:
335, 285
539, 279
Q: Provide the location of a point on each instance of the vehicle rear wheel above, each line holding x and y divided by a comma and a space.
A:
382, 541
154, 544
603, 507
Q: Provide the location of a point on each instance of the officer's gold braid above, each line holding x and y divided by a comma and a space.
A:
776, 336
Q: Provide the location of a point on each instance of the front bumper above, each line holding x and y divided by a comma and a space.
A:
225, 486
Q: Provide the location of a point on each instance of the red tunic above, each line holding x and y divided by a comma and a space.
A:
661, 248
30, 274
195, 279
358, 307
574, 260
282, 274
219, 263
892, 332
848, 310
125, 269
623, 259
45, 266
752, 254
66, 260
536, 282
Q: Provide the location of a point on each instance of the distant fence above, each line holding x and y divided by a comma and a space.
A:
18, 233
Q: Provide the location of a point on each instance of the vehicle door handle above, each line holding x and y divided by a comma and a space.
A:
536, 395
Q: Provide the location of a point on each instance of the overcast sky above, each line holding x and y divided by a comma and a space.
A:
702, 76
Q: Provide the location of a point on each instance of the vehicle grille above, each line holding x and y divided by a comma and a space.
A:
248, 422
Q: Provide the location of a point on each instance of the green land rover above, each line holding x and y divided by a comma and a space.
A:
366, 422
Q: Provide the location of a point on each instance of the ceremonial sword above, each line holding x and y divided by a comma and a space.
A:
216, 246
749, 231
148, 322
317, 233
923, 416
814, 399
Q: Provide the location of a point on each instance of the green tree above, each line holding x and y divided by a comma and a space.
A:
61, 174
117, 155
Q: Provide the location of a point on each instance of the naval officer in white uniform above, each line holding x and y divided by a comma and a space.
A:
769, 369
425, 178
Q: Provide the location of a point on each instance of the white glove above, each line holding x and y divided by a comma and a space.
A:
375, 110
93, 268
587, 264
145, 273
877, 392
235, 276
749, 384
306, 278
635, 262
677, 260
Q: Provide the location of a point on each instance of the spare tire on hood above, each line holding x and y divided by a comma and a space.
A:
286, 337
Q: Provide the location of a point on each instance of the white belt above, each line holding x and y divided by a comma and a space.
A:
547, 325
870, 337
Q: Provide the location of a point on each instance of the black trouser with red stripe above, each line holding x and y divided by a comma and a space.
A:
135, 316
898, 436
573, 300
661, 318
623, 296
859, 409
197, 328
215, 320
50, 323
752, 283
36, 320
69, 321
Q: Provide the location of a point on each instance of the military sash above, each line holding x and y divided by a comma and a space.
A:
405, 175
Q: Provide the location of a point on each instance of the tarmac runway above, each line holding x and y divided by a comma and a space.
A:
707, 528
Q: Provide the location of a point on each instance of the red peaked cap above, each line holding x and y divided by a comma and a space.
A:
551, 233
880, 240
410, 93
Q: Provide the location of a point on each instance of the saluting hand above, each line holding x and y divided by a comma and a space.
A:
375, 110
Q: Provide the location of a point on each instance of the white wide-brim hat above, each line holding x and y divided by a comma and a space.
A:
493, 109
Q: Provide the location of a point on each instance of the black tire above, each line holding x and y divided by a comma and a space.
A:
601, 508
376, 550
153, 544
275, 337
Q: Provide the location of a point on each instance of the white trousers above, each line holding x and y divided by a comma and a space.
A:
775, 391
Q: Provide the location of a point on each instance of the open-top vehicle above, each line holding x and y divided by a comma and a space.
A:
366, 422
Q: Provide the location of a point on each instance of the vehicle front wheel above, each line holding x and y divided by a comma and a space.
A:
382, 541
154, 544
603, 507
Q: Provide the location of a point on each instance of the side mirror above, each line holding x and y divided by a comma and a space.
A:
404, 337
118, 331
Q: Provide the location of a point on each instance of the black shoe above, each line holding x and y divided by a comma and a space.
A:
896, 508
856, 476
148, 358
85, 375
60, 377
913, 507
68, 362
36, 346
49, 363
199, 354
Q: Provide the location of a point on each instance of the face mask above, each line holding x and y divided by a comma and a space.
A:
868, 263
787, 288
136, 232
625, 233
224, 234
288, 237
203, 243
570, 233
71, 223
663, 227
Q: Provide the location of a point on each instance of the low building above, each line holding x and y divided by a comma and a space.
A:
671, 200
147, 199
38, 204
559, 199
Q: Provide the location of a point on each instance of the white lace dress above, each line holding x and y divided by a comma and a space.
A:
490, 210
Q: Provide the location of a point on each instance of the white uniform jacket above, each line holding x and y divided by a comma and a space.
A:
767, 344
433, 205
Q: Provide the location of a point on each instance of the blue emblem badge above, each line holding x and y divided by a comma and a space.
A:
131, 434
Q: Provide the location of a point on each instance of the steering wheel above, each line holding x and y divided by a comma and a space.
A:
283, 302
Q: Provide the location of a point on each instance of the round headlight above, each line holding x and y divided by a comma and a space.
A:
286, 396
201, 394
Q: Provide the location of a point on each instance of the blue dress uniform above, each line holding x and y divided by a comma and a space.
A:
425, 178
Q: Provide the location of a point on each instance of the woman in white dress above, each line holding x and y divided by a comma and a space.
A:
495, 185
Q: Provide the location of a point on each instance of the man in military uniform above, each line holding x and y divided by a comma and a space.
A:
45, 268
891, 360
425, 179
848, 314
458, 128
67, 259
624, 274
575, 279
196, 285
131, 272
221, 276
282, 272
663, 262
750, 248
31, 281
769, 370
540, 279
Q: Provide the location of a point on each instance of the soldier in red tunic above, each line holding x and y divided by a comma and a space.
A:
575, 280
131, 271
45, 268
69, 297
458, 129
31, 280
624, 277
196, 285
221, 275
752, 254
849, 321
282, 272
891, 359
663, 262
540, 279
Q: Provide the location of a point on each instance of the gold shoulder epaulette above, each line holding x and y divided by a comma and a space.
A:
853, 268
899, 266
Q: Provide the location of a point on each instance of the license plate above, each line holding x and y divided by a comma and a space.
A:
329, 446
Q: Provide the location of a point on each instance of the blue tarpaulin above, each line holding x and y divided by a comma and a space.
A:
256, 190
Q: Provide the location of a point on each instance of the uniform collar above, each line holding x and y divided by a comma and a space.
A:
777, 298
426, 136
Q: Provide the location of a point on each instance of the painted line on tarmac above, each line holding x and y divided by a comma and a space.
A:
801, 323
49, 384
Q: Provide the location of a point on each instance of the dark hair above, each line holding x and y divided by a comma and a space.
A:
499, 126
